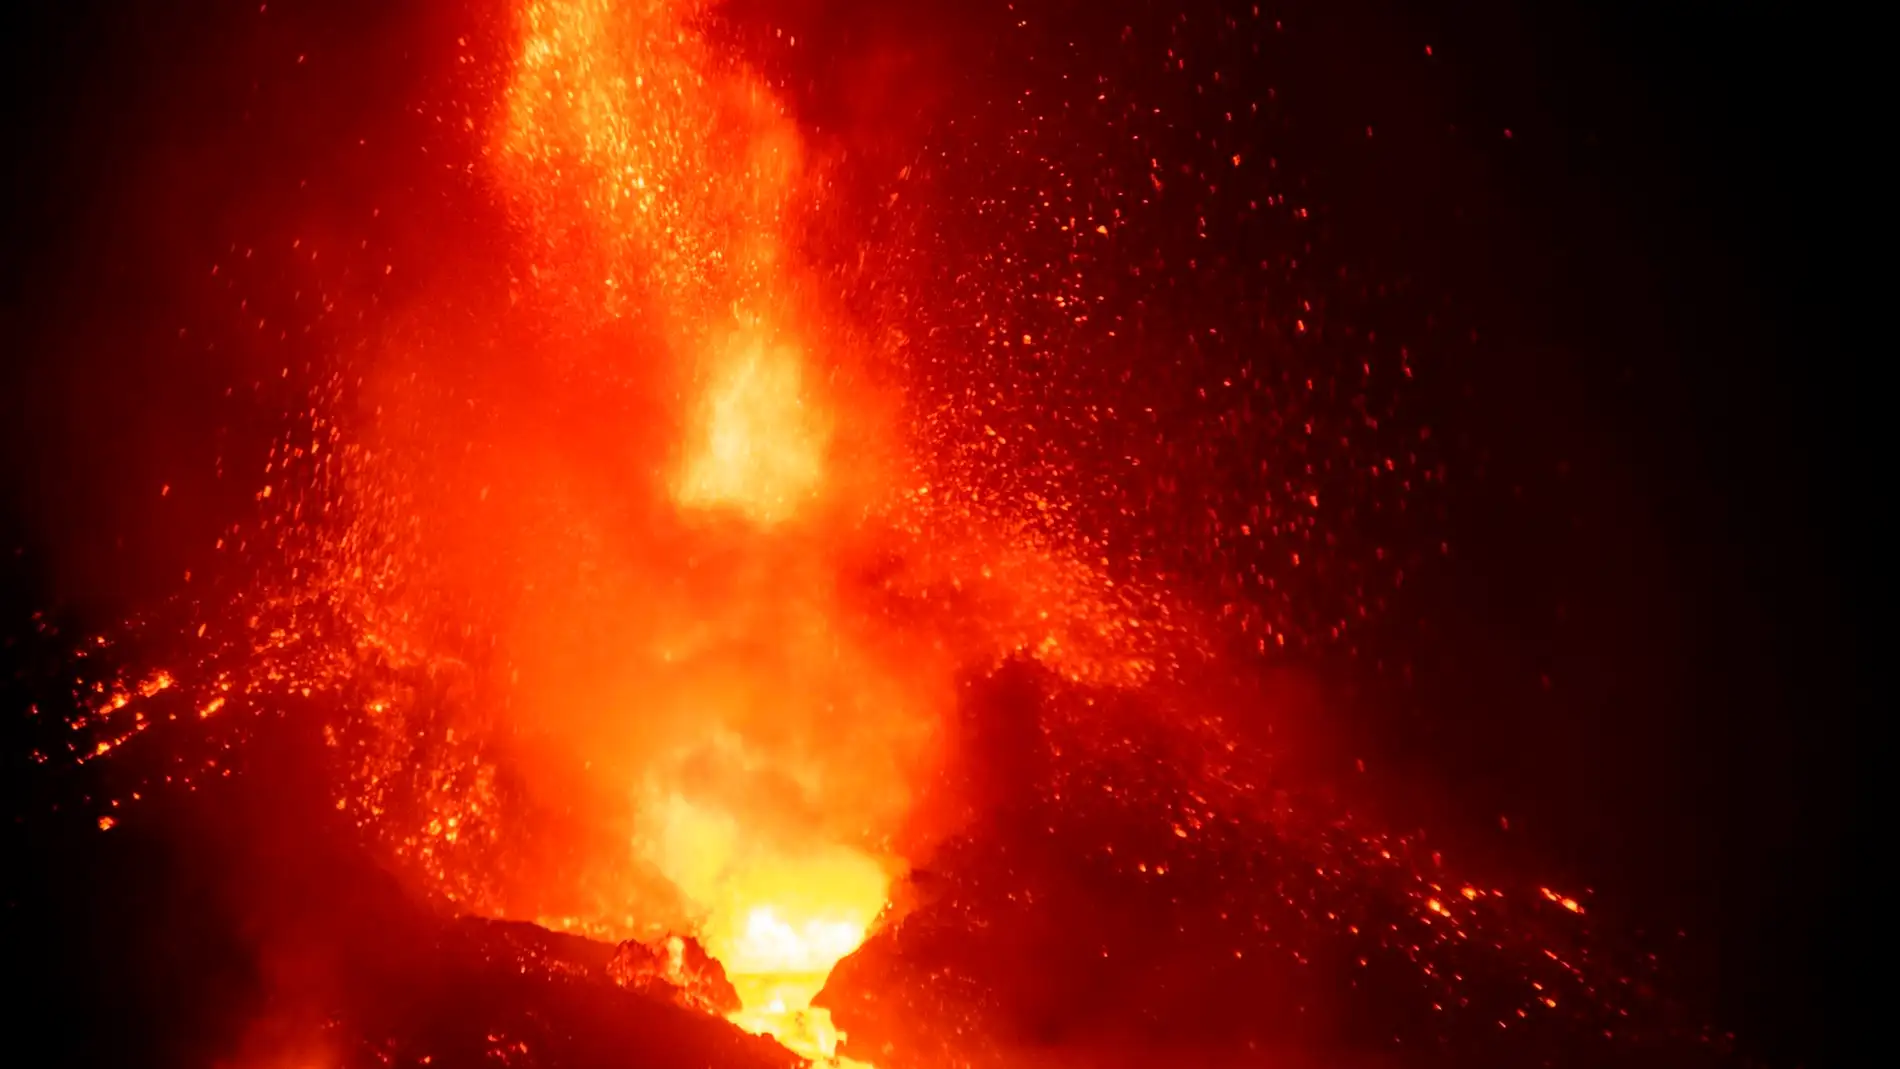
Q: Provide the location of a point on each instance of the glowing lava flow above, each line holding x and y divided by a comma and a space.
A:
777, 918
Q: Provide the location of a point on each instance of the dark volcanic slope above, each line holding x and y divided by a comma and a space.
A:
238, 928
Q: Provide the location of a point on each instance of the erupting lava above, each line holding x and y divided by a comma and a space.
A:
636, 588
777, 916
789, 708
657, 184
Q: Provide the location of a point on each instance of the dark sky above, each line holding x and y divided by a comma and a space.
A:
1670, 451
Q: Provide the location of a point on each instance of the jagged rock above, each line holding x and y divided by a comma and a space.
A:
675, 968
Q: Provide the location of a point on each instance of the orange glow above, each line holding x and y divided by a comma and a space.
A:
777, 915
757, 448
654, 184
767, 716
642, 609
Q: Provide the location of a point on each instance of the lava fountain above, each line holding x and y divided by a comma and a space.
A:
654, 183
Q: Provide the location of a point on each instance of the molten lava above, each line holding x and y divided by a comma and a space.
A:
656, 184
777, 914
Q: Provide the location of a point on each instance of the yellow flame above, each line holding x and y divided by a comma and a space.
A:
778, 916
759, 447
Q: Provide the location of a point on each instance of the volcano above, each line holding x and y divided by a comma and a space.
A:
775, 533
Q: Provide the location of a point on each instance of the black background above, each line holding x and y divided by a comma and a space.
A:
1665, 543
